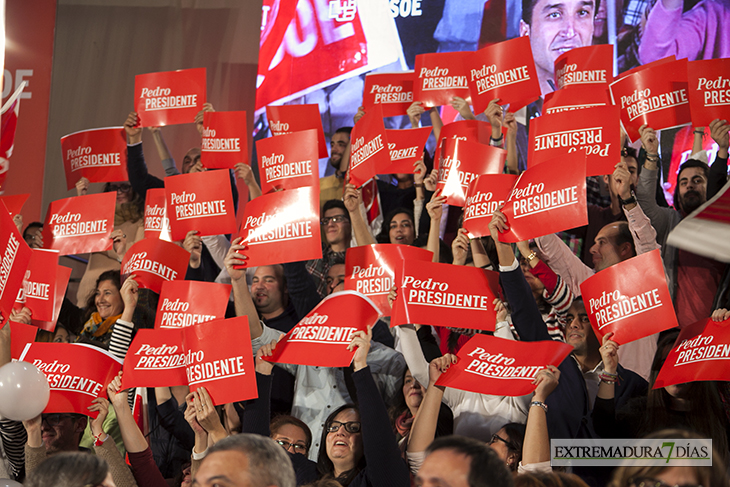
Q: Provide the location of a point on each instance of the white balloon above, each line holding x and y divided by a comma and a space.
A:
24, 391
9, 483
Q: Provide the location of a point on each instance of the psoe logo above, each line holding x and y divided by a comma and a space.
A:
343, 10
673, 452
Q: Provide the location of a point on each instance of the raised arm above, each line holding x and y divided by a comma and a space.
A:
423, 430
435, 209
241, 294
243, 171
718, 171
353, 201
536, 446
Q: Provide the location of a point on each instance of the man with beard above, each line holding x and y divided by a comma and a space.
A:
333, 187
693, 280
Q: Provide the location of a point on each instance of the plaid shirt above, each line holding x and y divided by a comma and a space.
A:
634, 11
318, 268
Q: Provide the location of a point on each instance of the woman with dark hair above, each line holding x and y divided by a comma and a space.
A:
71, 470
507, 442
397, 228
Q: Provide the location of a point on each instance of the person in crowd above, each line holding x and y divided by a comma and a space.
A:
33, 235
72, 470
336, 237
332, 187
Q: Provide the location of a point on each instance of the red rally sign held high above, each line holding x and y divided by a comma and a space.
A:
288, 161
170, 97
485, 194
443, 294
200, 201
587, 66
469, 130
406, 147
394, 91
225, 140
501, 367
80, 224
285, 119
20, 336
461, 162
369, 147
576, 98
155, 261
321, 338
99, 155
630, 299
709, 90
156, 222
63, 274
186, 303
547, 198
440, 77
39, 284
14, 202
371, 269
14, 259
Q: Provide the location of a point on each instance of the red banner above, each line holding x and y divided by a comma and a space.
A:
20, 335
289, 161
501, 367
394, 91
156, 358
469, 130
590, 65
371, 269
701, 352
80, 224
63, 274
77, 373
169, 97
656, 96
595, 131
99, 155
154, 262
156, 223
39, 284
709, 90
668, 59
406, 147
505, 70
282, 227
440, 76
14, 203
576, 98
369, 147
14, 258
321, 338
630, 299
461, 162
485, 194
286, 119
444, 294
225, 140
547, 198
186, 303
200, 201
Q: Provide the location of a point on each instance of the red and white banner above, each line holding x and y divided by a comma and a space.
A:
39, 284
369, 147
225, 140
200, 201
505, 70
14, 259
169, 97
394, 91
485, 194
99, 155
576, 98
595, 131
282, 227
406, 147
186, 303
547, 198
444, 294
668, 59
590, 65
461, 162
14, 203
77, 373
630, 299
80, 224
155, 261
370, 269
321, 338
63, 274
156, 358
20, 335
156, 222
289, 161
656, 96
501, 367
287, 119
440, 76
469, 130
701, 352
709, 90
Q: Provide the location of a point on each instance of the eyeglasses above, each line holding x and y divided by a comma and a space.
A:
496, 438
652, 482
298, 447
123, 188
334, 219
55, 418
350, 426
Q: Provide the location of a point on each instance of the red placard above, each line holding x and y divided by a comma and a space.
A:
39, 284
461, 162
186, 303
575, 98
369, 148
590, 65
80, 224
505, 70
282, 227
156, 223
155, 261
547, 198
288, 161
485, 194
394, 91
709, 90
20, 335
594, 131
156, 358
440, 76
630, 299
501, 367
169, 97
370, 269
63, 275
200, 201
701, 352
656, 96
99, 155
406, 147
77, 373
14, 258
321, 338
14, 203
285, 119
640, 67
470, 130
444, 294
225, 140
